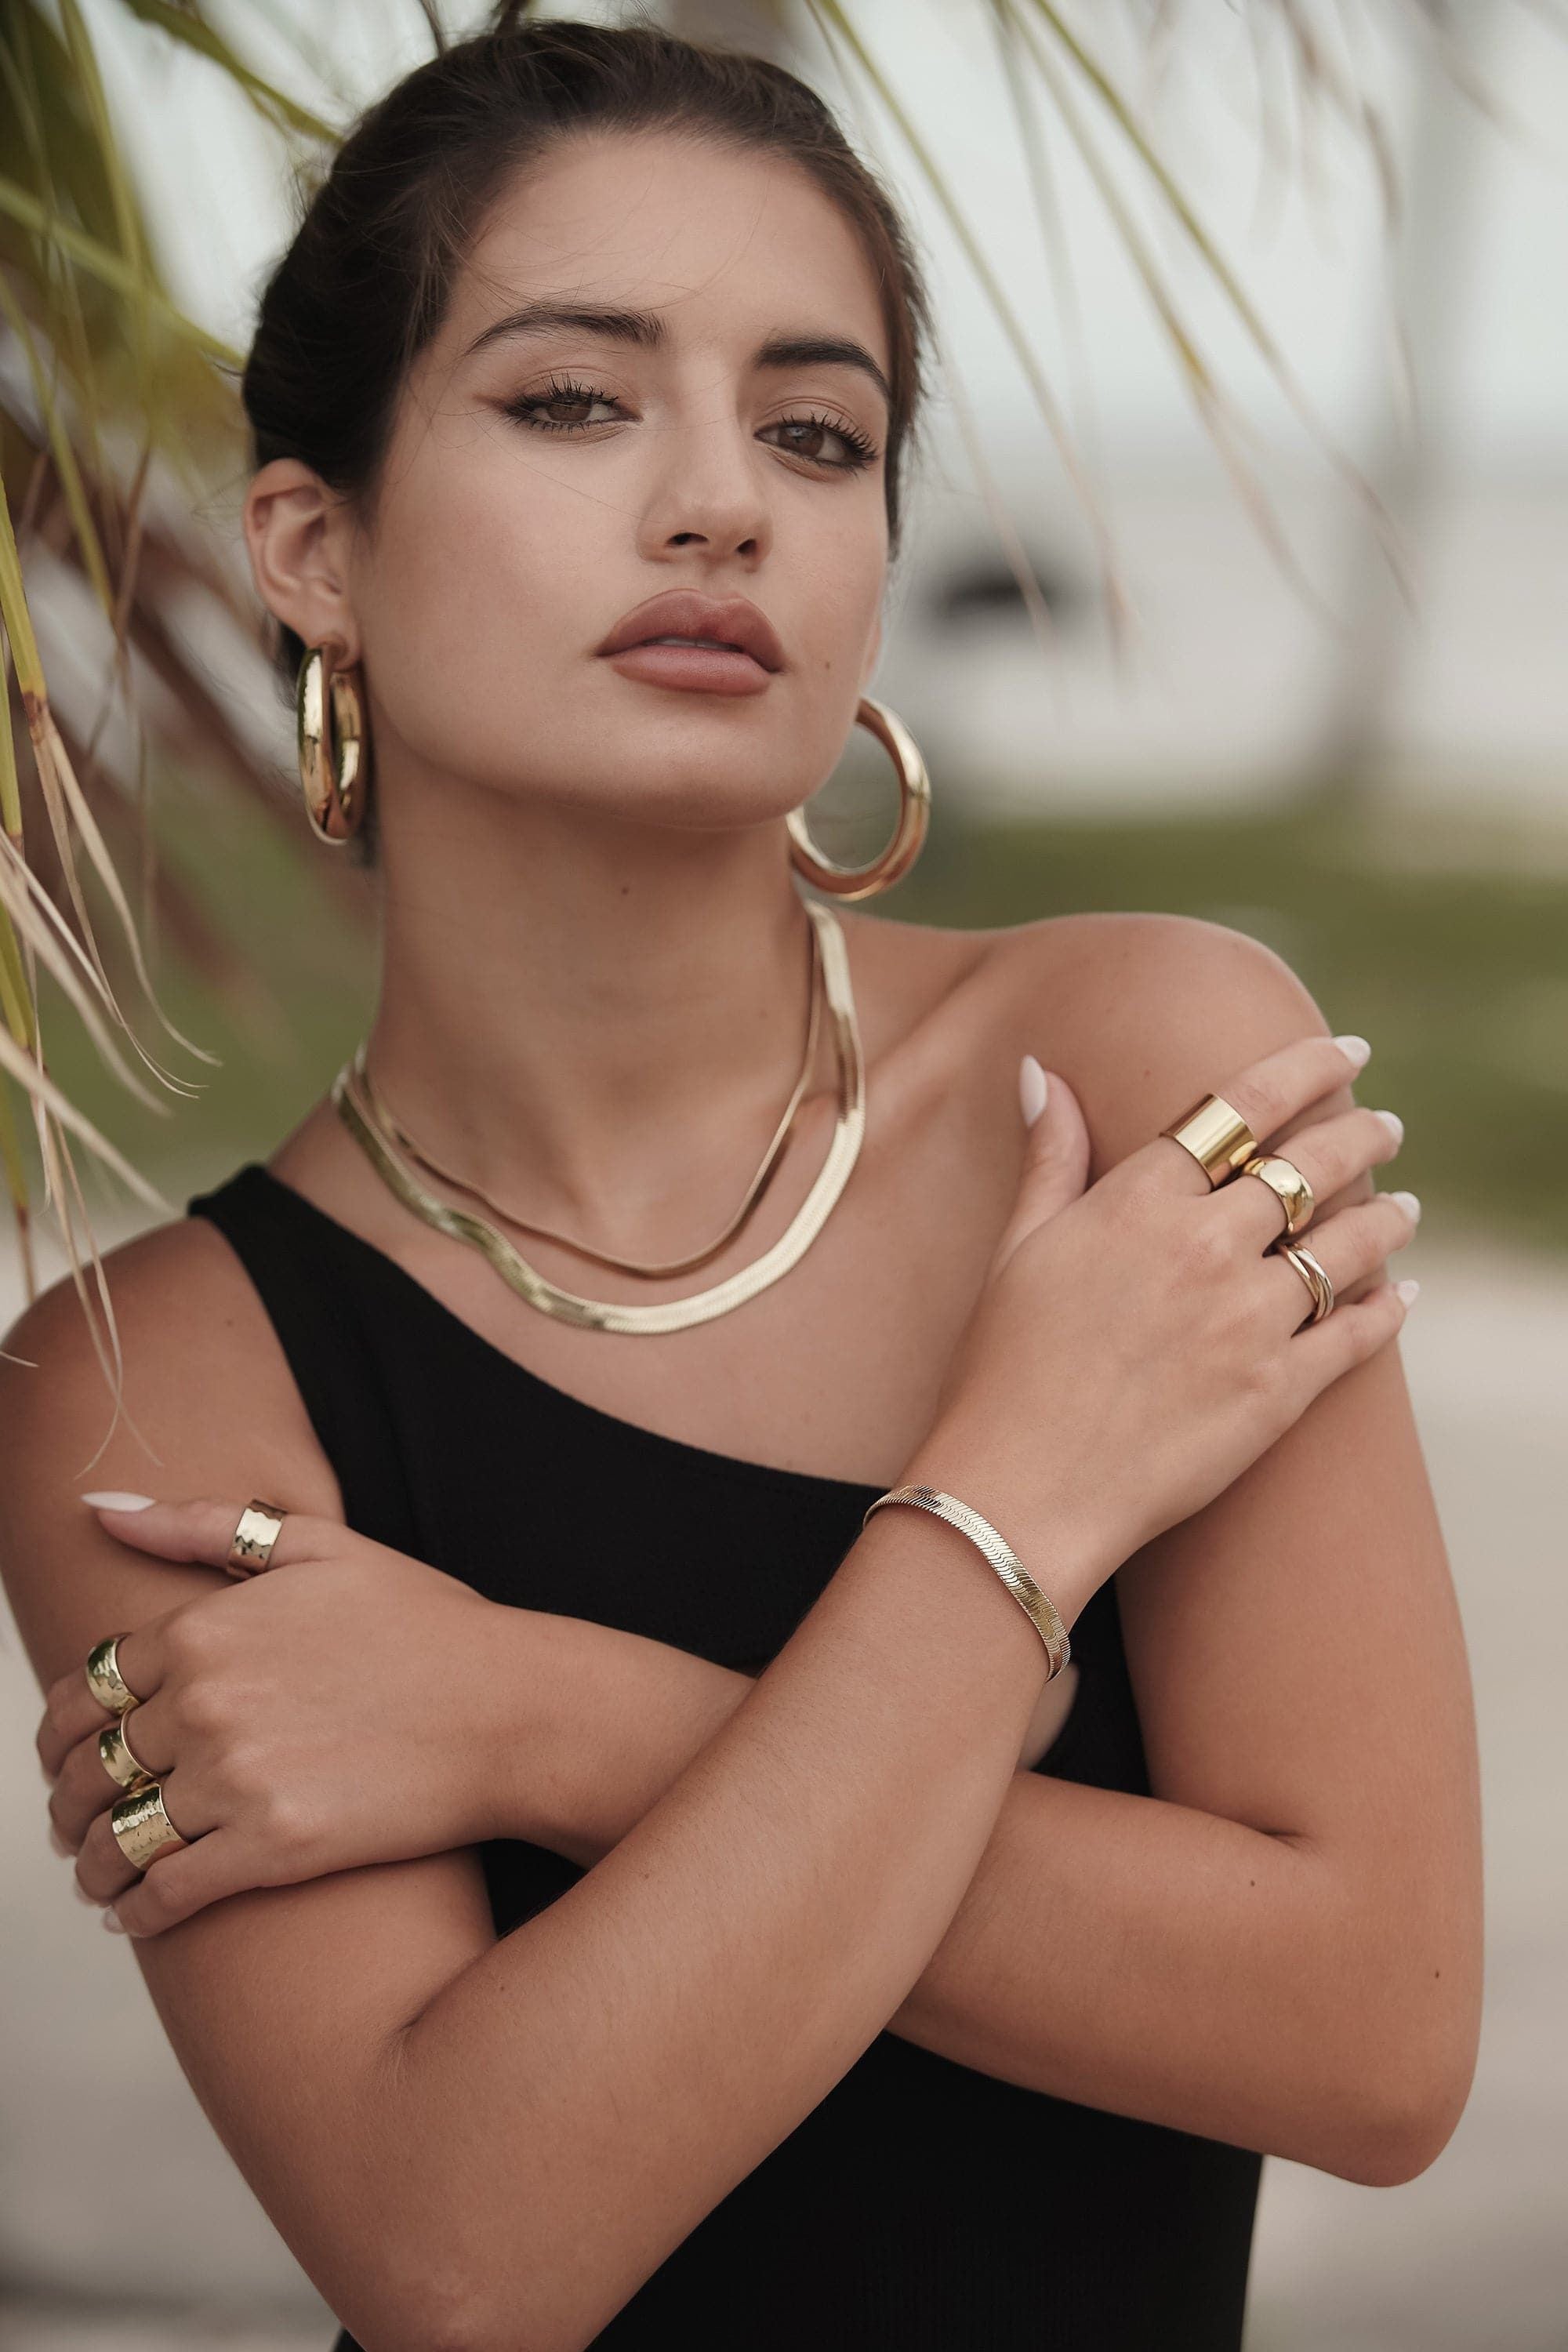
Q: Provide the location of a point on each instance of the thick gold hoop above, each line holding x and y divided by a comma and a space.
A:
329, 718
914, 815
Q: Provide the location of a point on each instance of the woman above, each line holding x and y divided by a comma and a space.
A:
610, 1878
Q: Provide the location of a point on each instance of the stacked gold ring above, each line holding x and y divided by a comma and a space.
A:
1224, 1146
114, 1749
1314, 1275
1283, 1176
104, 1679
142, 1830
1216, 1135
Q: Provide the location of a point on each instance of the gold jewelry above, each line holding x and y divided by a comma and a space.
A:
702, 1305
398, 1137
1217, 1136
1313, 1274
1003, 1559
333, 748
114, 1748
1283, 1176
104, 1679
914, 815
142, 1830
256, 1532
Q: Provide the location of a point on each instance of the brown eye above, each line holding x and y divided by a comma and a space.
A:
822, 442
561, 408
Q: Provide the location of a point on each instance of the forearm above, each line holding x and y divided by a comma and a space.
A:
613, 2068
1241, 2001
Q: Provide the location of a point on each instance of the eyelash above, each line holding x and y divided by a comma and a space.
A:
567, 389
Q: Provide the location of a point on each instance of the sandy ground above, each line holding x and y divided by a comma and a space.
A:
1470, 2255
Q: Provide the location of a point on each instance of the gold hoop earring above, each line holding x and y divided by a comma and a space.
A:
333, 748
914, 815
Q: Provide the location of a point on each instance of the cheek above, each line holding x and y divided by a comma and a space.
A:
837, 592
485, 587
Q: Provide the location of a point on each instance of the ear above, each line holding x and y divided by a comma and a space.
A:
297, 531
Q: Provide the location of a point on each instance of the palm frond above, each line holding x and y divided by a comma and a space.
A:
119, 415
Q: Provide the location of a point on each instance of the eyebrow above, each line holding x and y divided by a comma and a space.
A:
647, 329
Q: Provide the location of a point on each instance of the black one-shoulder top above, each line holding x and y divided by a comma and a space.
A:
922, 2206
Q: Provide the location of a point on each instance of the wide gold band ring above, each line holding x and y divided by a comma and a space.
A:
250, 1548
1216, 1135
142, 1830
1283, 1176
104, 1679
114, 1751
1313, 1273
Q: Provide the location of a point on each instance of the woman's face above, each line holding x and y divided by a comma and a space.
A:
546, 479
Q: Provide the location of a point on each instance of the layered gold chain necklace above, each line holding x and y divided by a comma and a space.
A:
393, 1153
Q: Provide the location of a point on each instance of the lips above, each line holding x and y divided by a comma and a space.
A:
732, 623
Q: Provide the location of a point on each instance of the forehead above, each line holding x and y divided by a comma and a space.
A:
728, 243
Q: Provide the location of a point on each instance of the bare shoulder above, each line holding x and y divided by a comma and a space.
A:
1142, 1012
207, 1403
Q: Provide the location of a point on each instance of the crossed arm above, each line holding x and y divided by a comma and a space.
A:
1279, 1948
1254, 1983
1305, 1981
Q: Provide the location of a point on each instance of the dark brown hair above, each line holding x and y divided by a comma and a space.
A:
365, 283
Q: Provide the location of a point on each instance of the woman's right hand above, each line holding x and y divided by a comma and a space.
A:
1136, 1346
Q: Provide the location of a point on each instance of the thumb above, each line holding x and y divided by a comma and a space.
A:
1056, 1155
202, 1529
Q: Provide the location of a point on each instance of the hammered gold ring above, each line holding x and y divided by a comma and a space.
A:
1217, 1136
142, 1830
104, 1679
1283, 1176
114, 1751
250, 1548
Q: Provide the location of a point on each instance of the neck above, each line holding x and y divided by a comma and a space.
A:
597, 1021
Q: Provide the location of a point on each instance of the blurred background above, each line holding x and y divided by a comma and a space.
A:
1242, 596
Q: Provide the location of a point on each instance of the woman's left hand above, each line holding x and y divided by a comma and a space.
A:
341, 1707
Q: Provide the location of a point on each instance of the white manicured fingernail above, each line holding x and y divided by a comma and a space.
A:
80, 1891
1032, 1090
1409, 1203
1408, 1288
1356, 1049
111, 1921
1393, 1123
113, 1498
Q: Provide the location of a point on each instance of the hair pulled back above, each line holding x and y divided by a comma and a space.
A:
364, 285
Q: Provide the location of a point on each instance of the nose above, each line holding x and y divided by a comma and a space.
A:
707, 494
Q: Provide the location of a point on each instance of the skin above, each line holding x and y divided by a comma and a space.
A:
1295, 1911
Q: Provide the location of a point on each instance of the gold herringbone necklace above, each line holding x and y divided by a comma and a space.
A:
393, 1133
358, 1114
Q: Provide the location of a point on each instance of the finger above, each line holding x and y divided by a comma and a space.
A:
72, 1709
103, 1870
1317, 1356
1350, 1245
203, 1529
1330, 1155
179, 1884
1266, 1094
86, 1787
1057, 1153
200, 1530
